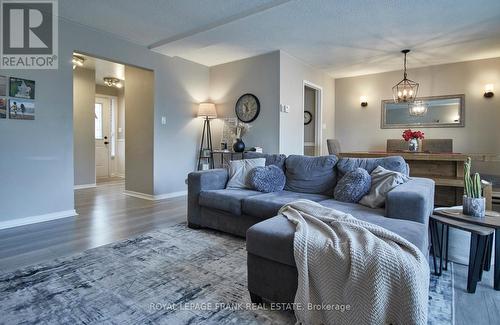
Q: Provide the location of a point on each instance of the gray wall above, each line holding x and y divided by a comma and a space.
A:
105, 90
359, 128
36, 157
140, 136
83, 125
274, 78
309, 129
310, 105
292, 75
257, 75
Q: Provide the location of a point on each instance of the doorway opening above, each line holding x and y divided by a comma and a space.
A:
312, 102
98, 121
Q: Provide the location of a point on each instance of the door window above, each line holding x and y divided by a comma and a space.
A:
98, 121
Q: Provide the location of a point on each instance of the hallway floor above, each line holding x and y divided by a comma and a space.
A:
105, 215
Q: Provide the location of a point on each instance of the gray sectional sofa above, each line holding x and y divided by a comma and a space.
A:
271, 266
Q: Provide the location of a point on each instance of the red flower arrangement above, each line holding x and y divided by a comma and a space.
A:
409, 134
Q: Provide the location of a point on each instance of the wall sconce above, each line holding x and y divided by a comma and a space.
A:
488, 90
364, 101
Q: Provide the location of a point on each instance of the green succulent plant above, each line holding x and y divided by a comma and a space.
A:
472, 184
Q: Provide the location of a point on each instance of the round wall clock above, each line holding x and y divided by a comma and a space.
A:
247, 108
307, 117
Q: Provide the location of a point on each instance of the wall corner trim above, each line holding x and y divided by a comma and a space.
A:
82, 186
155, 197
37, 219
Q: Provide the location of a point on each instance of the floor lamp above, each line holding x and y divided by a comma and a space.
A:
207, 112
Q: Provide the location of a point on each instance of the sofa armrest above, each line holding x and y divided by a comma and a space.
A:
413, 200
213, 179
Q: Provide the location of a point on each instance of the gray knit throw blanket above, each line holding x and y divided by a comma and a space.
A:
354, 272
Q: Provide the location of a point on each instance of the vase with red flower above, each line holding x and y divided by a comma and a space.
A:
413, 137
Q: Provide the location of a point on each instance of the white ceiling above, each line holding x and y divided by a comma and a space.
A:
343, 38
103, 68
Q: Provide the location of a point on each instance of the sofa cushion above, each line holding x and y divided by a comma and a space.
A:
394, 163
273, 238
353, 186
267, 205
315, 175
267, 179
414, 232
271, 159
228, 200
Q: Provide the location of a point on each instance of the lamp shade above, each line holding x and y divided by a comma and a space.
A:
207, 110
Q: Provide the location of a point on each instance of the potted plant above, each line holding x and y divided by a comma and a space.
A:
474, 204
412, 138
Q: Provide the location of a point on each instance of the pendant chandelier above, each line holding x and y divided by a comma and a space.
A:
406, 90
418, 108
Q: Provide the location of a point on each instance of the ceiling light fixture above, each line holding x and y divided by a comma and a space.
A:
406, 90
112, 82
77, 61
418, 108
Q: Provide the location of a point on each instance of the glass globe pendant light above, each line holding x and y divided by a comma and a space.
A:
418, 108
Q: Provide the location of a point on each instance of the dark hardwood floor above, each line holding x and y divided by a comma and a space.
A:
106, 215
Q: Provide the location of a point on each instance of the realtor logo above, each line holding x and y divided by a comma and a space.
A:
29, 38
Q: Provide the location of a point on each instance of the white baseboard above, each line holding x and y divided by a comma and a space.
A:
82, 186
170, 195
154, 197
37, 219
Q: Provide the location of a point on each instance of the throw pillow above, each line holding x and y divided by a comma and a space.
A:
267, 179
313, 175
353, 186
383, 181
271, 159
239, 169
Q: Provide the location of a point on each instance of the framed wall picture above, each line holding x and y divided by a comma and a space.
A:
21, 109
3, 86
3, 107
21, 88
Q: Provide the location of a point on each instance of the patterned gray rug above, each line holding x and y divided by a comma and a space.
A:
171, 276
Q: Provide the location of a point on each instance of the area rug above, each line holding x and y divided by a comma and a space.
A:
171, 276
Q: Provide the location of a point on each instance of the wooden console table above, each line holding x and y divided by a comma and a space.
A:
446, 169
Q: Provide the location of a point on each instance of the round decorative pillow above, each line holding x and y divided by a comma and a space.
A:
267, 179
353, 186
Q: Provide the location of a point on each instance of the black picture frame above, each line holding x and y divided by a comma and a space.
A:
21, 88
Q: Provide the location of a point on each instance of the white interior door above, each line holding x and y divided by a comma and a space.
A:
102, 136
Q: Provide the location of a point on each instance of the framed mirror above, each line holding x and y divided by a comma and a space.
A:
430, 112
